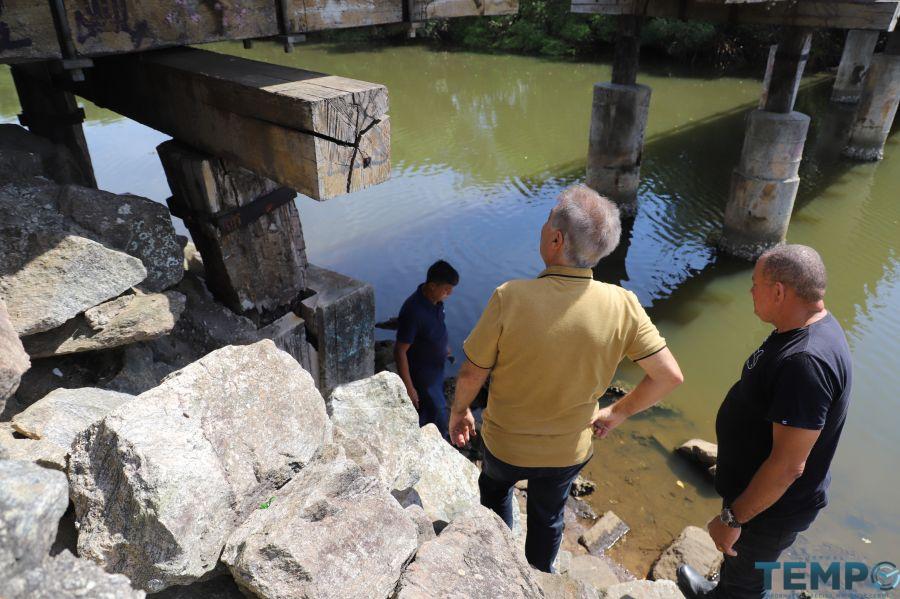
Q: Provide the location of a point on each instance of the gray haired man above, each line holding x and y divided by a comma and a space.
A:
778, 427
552, 345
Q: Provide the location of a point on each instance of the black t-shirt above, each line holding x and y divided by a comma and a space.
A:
798, 378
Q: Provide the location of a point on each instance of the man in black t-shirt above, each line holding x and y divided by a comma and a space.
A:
779, 425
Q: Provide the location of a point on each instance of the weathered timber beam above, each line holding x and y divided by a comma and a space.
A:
787, 69
27, 31
627, 50
322, 135
880, 16
422, 10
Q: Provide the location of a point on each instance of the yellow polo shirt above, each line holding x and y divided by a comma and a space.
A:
553, 344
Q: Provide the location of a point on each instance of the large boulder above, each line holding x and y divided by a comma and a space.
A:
46, 279
127, 319
32, 500
219, 587
693, 547
43, 453
64, 413
475, 556
561, 586
448, 485
13, 359
331, 532
67, 577
160, 483
378, 411
643, 589
596, 572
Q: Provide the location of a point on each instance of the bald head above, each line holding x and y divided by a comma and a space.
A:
590, 225
796, 266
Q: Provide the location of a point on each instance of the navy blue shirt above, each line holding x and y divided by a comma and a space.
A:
421, 324
798, 378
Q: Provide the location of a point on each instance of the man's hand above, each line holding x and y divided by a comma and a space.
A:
462, 427
723, 536
413, 397
605, 421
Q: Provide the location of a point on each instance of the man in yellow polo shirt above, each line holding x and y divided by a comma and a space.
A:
552, 345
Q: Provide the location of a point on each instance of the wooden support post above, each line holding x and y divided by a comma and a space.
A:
764, 184
53, 113
787, 70
618, 119
319, 134
858, 49
255, 263
877, 104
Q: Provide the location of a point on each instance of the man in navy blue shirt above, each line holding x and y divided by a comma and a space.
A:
778, 427
423, 346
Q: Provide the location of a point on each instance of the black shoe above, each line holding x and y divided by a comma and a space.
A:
692, 584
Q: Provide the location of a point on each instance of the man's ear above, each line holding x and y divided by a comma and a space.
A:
780, 292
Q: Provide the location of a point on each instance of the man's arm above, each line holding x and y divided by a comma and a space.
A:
469, 382
662, 376
402, 361
790, 449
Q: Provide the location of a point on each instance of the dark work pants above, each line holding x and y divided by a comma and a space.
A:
739, 577
433, 406
548, 489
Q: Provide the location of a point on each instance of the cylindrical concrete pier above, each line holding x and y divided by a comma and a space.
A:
764, 184
618, 119
858, 50
877, 108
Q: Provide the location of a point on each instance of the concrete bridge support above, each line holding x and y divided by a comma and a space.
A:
858, 49
618, 119
765, 182
877, 105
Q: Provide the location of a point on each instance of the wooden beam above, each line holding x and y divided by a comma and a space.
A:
880, 16
787, 69
27, 31
423, 10
627, 50
319, 15
319, 134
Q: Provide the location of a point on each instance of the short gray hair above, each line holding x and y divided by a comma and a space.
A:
799, 267
590, 224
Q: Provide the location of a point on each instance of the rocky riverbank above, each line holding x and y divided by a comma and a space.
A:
155, 443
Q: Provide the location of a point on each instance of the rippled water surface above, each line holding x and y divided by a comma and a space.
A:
481, 146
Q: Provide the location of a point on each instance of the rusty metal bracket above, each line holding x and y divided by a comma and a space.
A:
229, 221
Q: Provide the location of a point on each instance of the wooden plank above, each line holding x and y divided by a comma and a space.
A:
880, 16
112, 26
423, 10
27, 31
319, 15
299, 128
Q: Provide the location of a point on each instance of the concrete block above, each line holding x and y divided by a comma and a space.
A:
604, 533
877, 109
855, 59
340, 325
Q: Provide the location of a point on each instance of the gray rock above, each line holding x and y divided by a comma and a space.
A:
32, 500
331, 532
193, 261
137, 226
582, 486
14, 361
64, 413
160, 483
604, 533
67, 577
378, 412
360, 453
475, 556
448, 485
220, 587
423, 523
561, 586
47, 279
141, 370
643, 589
597, 573
700, 451
694, 547
24, 155
43, 453
127, 319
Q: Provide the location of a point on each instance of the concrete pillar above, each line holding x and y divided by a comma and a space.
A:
877, 104
764, 184
618, 119
858, 49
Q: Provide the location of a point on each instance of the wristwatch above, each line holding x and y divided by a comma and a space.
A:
728, 519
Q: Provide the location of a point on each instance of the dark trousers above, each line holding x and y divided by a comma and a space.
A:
548, 489
739, 577
433, 407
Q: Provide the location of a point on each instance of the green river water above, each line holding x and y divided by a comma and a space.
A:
482, 144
